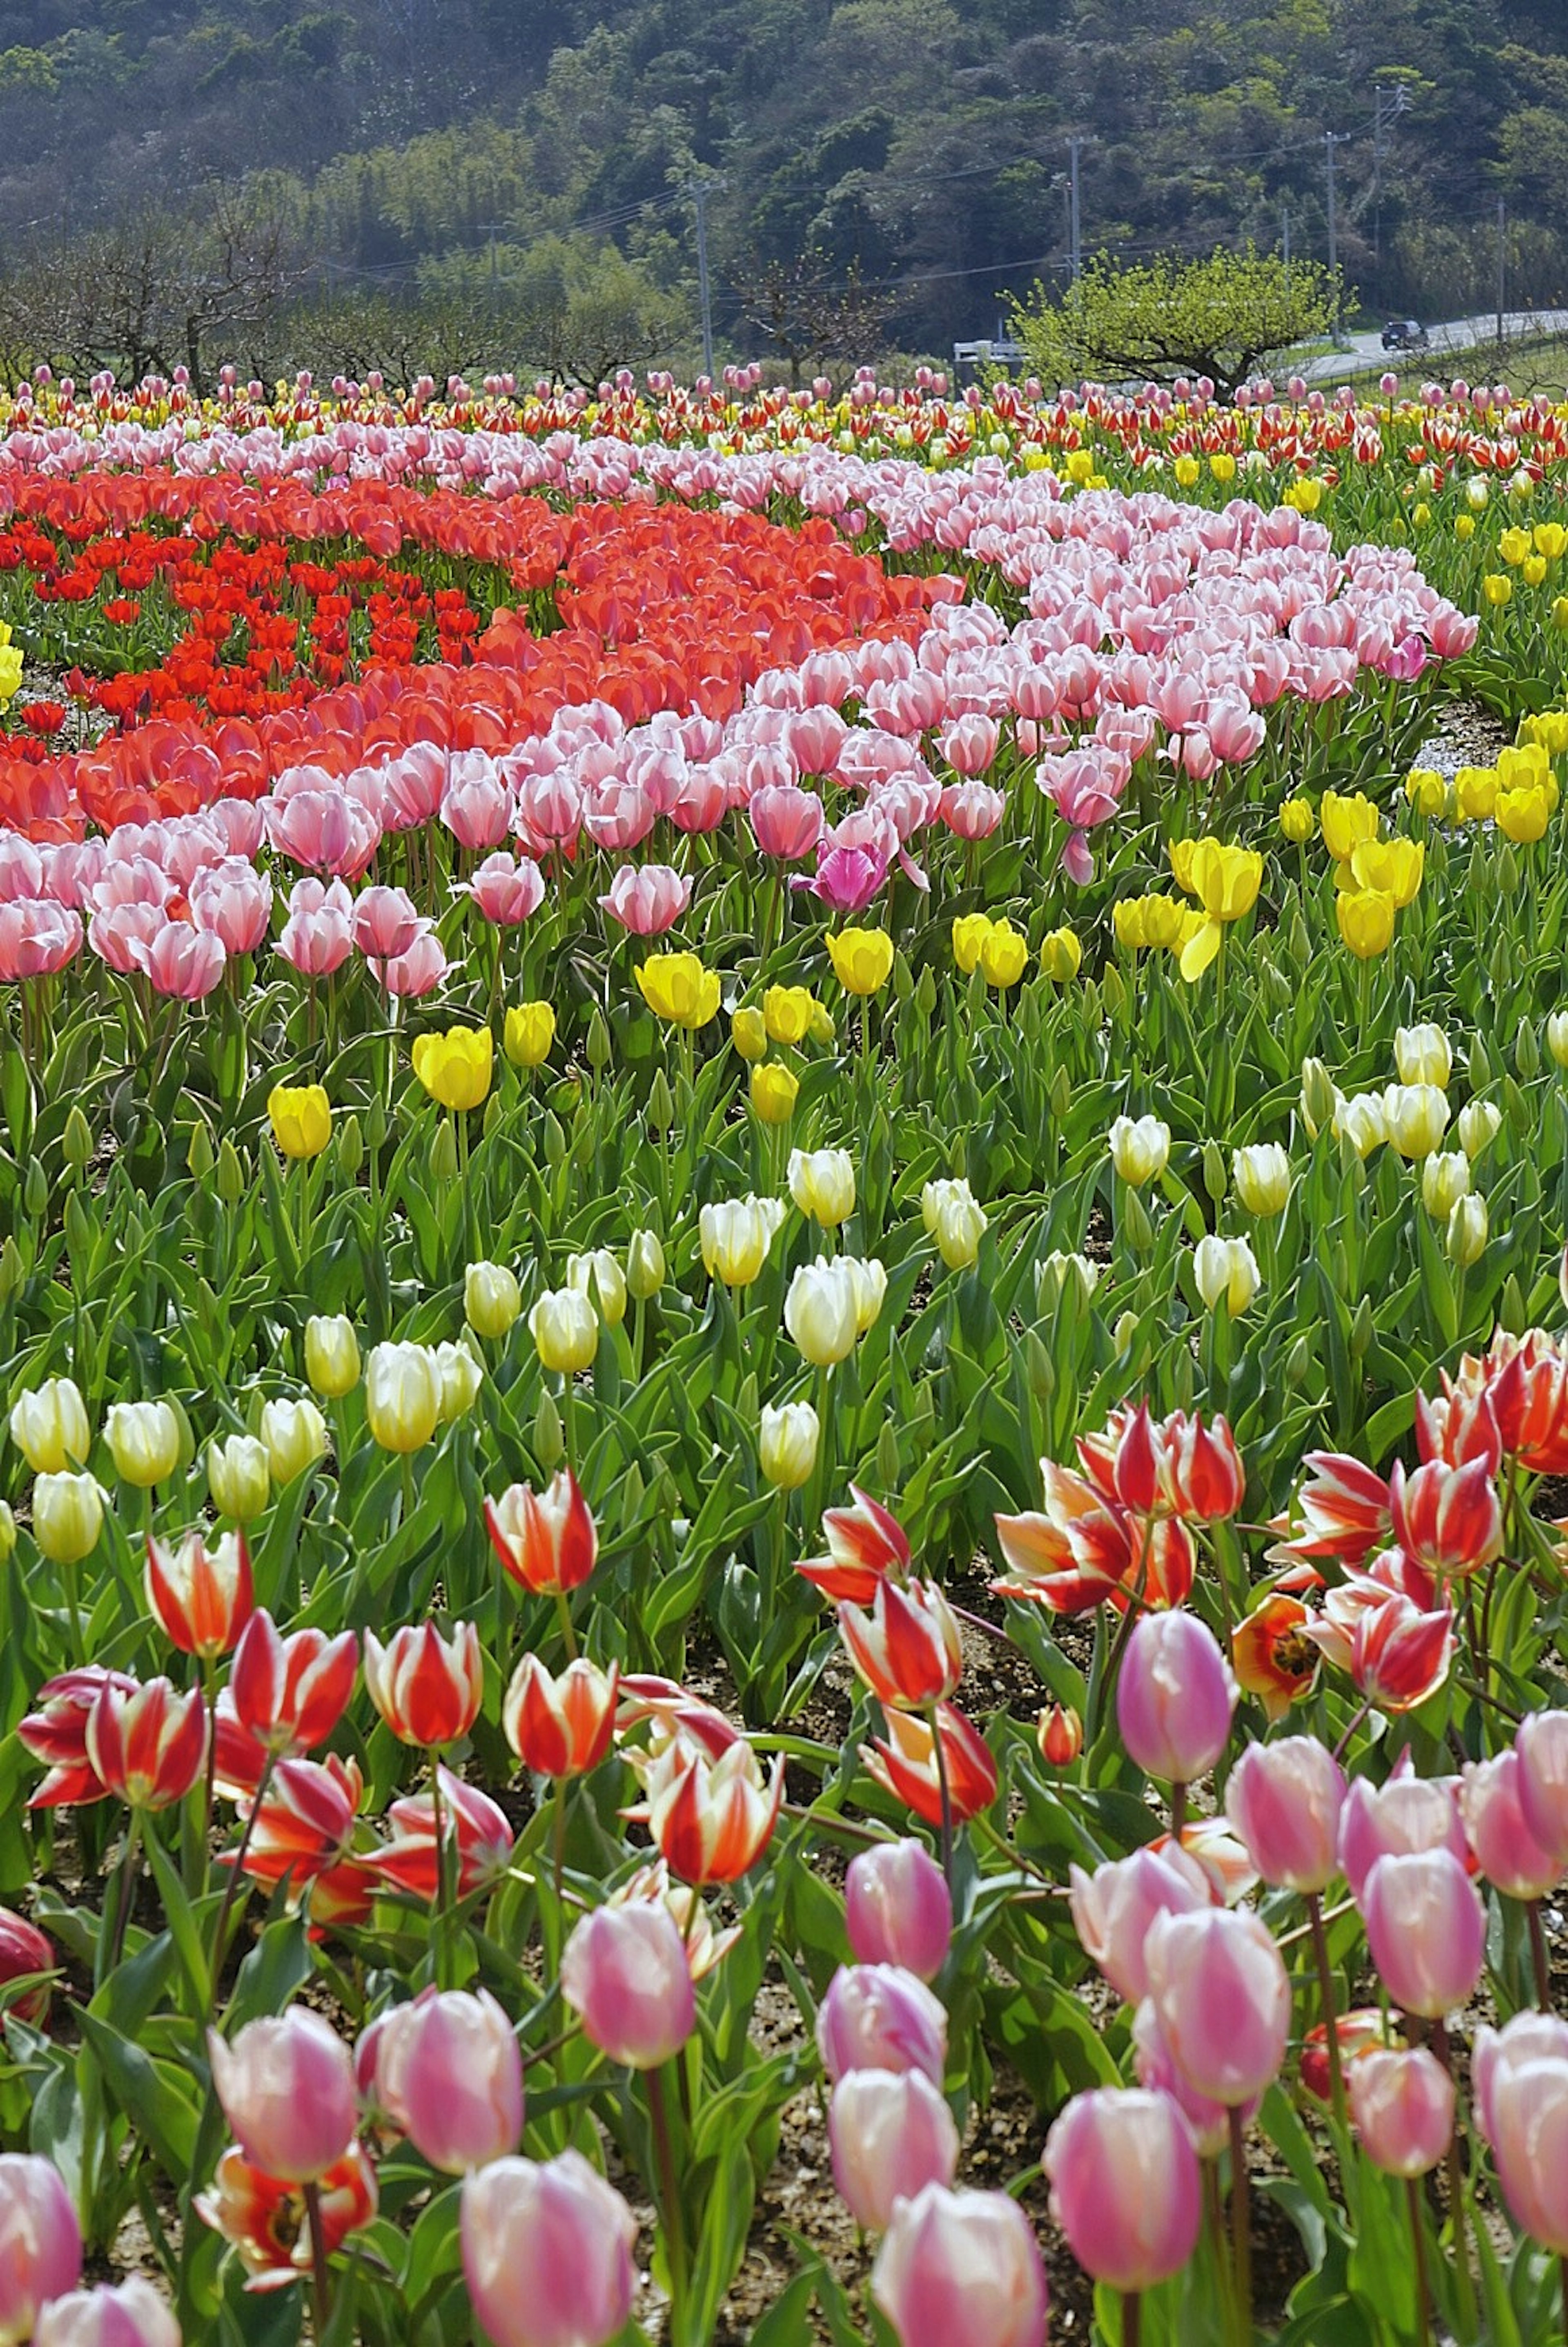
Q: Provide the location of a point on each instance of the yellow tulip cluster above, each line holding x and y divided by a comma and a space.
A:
790, 1016
1226, 881
1160, 922
998, 950
1374, 878
1518, 792
10, 667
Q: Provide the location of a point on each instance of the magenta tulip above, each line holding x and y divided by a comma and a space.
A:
1114, 1907
1426, 1929
1283, 1799
1491, 1802
625, 1971
1543, 1747
880, 2017
897, 1908
547, 2252
449, 2073
133, 2315
40, 2243
287, 2087
1175, 1697
1402, 2103
1223, 1997
890, 2133
1124, 2184
1407, 1813
961, 2270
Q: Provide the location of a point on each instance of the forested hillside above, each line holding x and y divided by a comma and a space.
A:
425, 180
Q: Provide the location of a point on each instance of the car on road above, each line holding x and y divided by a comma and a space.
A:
1405, 334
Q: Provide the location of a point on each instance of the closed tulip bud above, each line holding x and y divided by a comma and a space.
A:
1262, 1178
301, 1119
1362, 1123
1059, 1733
1284, 1800
1223, 1999
955, 1220
1296, 821
1140, 1149
823, 1184
565, 1330
1467, 1231
890, 2132
449, 2073
880, 2017
444, 1156
529, 1034
748, 1034
787, 1444
1125, 2187
645, 1266
350, 1148
821, 1310
462, 1374
68, 1517
1478, 1124
1320, 1097
1414, 1118
1061, 956
774, 1092
1426, 1930
7, 1532
427, 1688
233, 1179
1061, 1274
77, 1142
1175, 1696
1491, 1802
1422, 1055
403, 1396
295, 1434
1403, 2105
1227, 1272
332, 1355
491, 1299
961, 2270
40, 2243
1445, 1180
547, 2253
286, 2089
49, 1427
144, 1442
127, 2314
863, 959
897, 1908
1557, 1038
547, 1541
599, 1276
239, 1477
625, 1972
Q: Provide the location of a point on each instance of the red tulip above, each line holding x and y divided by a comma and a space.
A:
1400, 1654
1345, 1508
547, 1541
289, 1694
24, 1950
562, 1726
56, 1734
148, 1746
263, 2217
906, 1648
426, 1687
1446, 1520
1201, 1468
905, 1764
304, 1823
864, 1542
473, 1824
201, 1597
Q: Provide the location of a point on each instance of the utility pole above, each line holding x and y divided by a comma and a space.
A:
1331, 141
1074, 146
700, 191
1388, 105
1501, 263
1285, 228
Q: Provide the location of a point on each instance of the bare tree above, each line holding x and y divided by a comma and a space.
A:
809, 313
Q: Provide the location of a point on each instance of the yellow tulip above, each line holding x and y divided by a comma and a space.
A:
1498, 589
1180, 851
678, 989
1550, 540
787, 1013
1426, 790
456, 1068
1532, 569
1185, 469
822, 1029
863, 959
529, 1033
774, 1092
301, 1119
748, 1034
1513, 546
1520, 764
1548, 727
1224, 879
1465, 527
1003, 955
1164, 920
970, 931
1524, 815
1475, 792
1130, 923
1296, 821
1222, 464
1306, 496
1061, 956
1366, 919
1392, 867
1347, 822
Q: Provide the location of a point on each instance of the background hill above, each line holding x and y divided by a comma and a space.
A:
431, 182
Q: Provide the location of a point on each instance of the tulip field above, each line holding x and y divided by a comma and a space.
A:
783, 1365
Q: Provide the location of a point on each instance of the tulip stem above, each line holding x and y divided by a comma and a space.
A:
569, 1418
407, 1489
321, 2285
74, 1601
124, 1890
231, 1887
1423, 2288
1240, 2219
437, 1920
1325, 1994
669, 2195
1178, 1812
1539, 1955
569, 1635
945, 1790
1467, 2311
1132, 2318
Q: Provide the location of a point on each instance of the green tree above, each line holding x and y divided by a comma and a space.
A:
1222, 317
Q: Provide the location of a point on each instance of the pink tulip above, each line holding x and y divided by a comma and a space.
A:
417, 972
318, 936
787, 821
325, 832
36, 939
549, 812
890, 2133
386, 923
1223, 1997
648, 898
1407, 1813
1209, 2122
21, 869
880, 2017
814, 737
703, 800
1426, 1929
1543, 1747
969, 744
449, 2073
1402, 2103
897, 1908
287, 2087
1528, 2101
547, 2252
477, 812
1175, 1696
131, 2315
181, 962
625, 1971
961, 2270
847, 878
1124, 2186
40, 2241
1528, 2037
972, 810
1491, 1803
1283, 1799
1114, 1908
619, 813
507, 889
412, 787
233, 900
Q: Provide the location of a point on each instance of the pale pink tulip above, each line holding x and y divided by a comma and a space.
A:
890, 2132
1124, 2186
648, 898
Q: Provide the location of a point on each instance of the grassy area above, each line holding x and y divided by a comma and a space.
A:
1533, 363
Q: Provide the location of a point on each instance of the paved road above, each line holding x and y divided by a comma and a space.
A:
1449, 342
